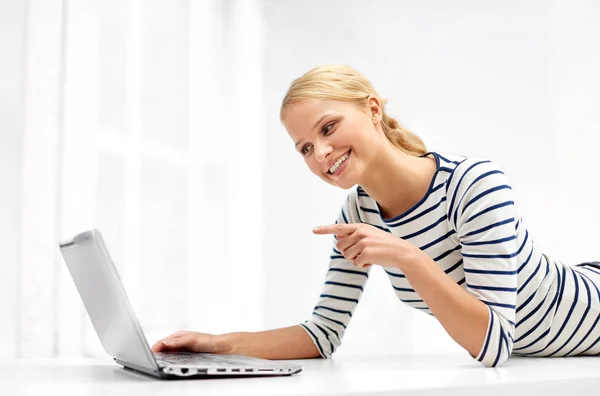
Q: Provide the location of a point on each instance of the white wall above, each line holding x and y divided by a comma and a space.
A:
513, 81
12, 53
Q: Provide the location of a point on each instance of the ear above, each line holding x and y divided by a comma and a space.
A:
375, 109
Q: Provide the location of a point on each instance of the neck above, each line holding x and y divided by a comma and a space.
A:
397, 181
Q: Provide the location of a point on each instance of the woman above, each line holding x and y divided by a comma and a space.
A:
445, 229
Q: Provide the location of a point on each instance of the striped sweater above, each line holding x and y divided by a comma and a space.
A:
469, 224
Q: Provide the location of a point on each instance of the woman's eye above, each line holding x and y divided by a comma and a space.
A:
327, 128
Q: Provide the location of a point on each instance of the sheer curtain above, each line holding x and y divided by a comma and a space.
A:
130, 128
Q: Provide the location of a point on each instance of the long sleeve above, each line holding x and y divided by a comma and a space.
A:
340, 294
482, 211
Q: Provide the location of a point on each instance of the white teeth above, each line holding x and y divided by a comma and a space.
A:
339, 162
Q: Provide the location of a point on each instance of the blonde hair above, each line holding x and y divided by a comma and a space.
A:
341, 82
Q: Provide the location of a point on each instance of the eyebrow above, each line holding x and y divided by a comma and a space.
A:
317, 123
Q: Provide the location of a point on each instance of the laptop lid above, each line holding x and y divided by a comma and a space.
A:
103, 295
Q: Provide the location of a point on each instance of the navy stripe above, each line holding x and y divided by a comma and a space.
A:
369, 210
523, 244
486, 256
455, 266
591, 346
575, 301
562, 288
429, 227
344, 285
544, 334
481, 195
499, 305
338, 298
380, 227
394, 275
585, 337
449, 180
357, 211
464, 194
423, 213
556, 296
526, 301
403, 289
334, 310
490, 272
487, 336
446, 253
590, 269
326, 336
587, 309
595, 322
489, 227
496, 288
492, 242
526, 261
316, 340
331, 320
491, 208
349, 271
333, 331
344, 216
502, 337
456, 188
416, 206
436, 241
531, 276
447, 160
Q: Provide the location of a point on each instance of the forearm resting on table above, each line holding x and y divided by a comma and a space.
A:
462, 315
278, 344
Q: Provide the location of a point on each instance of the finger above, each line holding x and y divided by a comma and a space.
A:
353, 252
176, 334
361, 260
160, 345
344, 229
184, 342
344, 243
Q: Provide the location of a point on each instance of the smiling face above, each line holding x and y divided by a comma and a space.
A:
337, 139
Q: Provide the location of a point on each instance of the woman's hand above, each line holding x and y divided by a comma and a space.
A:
363, 245
190, 341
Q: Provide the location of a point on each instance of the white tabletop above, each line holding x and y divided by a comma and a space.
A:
342, 375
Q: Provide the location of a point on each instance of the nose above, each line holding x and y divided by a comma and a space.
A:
322, 151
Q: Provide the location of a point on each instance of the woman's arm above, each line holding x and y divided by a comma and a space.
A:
463, 316
284, 343
482, 211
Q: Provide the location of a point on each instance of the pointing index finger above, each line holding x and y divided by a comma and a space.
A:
340, 229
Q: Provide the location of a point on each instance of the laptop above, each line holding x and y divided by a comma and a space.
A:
103, 294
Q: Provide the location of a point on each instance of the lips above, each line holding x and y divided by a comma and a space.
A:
336, 160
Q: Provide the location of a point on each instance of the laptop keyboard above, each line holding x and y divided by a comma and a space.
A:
204, 359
